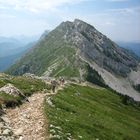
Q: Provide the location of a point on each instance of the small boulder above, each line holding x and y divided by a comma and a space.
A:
5, 119
7, 132
11, 90
48, 100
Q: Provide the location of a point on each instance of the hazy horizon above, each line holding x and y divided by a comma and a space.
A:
118, 19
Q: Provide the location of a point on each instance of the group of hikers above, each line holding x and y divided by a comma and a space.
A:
55, 83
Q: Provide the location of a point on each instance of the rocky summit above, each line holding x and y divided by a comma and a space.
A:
98, 48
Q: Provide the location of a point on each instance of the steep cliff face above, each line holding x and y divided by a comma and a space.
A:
98, 48
77, 50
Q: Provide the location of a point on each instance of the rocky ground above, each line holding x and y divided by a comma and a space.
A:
25, 122
6, 132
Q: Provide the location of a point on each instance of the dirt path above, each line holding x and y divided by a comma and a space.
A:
27, 121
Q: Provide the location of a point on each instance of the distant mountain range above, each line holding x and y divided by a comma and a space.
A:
12, 49
132, 46
78, 51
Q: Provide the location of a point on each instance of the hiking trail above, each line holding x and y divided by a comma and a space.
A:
27, 121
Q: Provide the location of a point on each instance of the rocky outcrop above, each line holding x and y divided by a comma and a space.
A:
6, 132
11, 90
30, 75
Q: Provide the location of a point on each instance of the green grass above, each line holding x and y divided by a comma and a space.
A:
26, 85
9, 100
67, 72
88, 113
2, 83
66, 66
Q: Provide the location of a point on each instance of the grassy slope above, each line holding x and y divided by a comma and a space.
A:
66, 66
49, 50
95, 113
27, 85
53, 49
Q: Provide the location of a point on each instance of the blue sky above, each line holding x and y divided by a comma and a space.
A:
118, 19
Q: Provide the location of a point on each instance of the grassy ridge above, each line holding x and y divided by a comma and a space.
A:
88, 113
46, 51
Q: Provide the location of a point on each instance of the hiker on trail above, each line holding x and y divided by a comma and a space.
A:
53, 85
61, 81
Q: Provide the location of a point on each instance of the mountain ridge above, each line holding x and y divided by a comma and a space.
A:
71, 48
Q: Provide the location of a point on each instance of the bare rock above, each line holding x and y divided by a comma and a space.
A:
7, 132
11, 90
18, 132
5, 119
48, 100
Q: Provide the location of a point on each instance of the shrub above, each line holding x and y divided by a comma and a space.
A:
125, 99
93, 77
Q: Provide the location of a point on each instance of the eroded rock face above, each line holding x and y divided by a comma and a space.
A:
134, 76
96, 47
11, 90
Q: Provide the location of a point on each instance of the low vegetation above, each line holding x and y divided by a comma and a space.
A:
92, 76
26, 85
137, 87
88, 113
9, 100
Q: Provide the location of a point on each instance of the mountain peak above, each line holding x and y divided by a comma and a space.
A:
77, 21
82, 24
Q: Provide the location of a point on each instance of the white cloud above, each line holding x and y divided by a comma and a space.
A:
125, 11
3, 7
7, 16
110, 23
117, 0
36, 5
